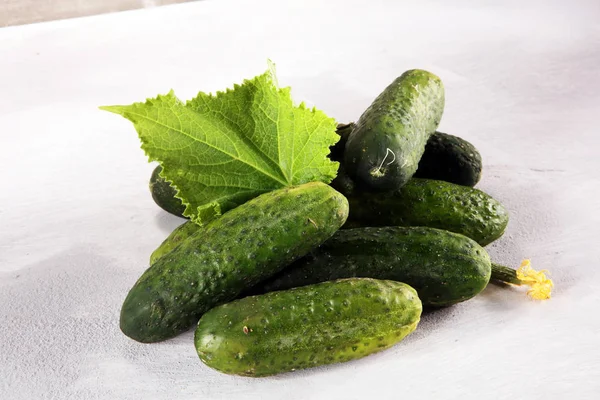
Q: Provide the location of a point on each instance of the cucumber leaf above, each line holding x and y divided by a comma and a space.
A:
221, 150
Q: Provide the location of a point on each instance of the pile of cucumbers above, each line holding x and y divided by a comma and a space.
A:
317, 274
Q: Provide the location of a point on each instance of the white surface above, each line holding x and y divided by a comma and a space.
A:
78, 224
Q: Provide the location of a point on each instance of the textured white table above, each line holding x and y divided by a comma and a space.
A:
78, 224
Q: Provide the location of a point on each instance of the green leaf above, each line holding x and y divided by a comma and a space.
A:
221, 150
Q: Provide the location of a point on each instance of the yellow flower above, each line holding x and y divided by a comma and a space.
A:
540, 285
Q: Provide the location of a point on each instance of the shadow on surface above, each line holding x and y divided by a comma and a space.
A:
167, 222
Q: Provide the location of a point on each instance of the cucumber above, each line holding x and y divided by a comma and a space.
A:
342, 182
164, 194
384, 149
180, 234
451, 159
300, 328
445, 268
337, 150
446, 158
435, 204
244, 246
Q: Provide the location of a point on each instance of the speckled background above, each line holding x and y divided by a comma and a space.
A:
78, 223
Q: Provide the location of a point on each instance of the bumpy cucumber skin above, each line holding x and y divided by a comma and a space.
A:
435, 204
305, 327
244, 246
164, 195
444, 268
383, 151
446, 158
451, 159
180, 234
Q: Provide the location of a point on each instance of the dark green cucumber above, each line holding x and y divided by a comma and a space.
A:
435, 204
451, 159
445, 268
337, 150
306, 327
180, 234
164, 194
244, 246
446, 158
384, 149
343, 183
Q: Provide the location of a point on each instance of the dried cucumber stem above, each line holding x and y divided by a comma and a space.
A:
540, 286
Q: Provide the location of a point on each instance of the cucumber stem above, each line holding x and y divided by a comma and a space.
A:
502, 274
540, 286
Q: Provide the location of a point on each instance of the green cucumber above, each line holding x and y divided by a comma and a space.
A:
164, 194
451, 159
435, 204
384, 149
342, 182
239, 249
446, 158
180, 234
445, 268
337, 150
301, 328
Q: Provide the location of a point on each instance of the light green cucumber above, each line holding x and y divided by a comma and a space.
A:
180, 234
244, 246
306, 327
